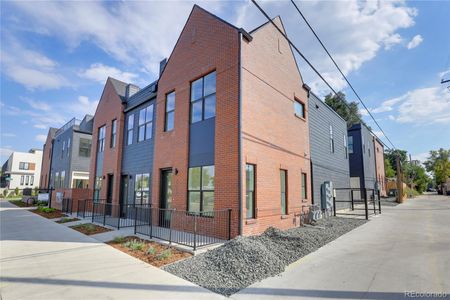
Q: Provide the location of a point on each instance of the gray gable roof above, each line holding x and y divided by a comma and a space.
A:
119, 86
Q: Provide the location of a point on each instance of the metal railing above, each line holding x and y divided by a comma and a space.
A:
85, 207
360, 199
67, 205
183, 227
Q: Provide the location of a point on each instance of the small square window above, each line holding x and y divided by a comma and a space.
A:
299, 108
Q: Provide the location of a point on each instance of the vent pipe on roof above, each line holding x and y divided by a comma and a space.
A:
162, 65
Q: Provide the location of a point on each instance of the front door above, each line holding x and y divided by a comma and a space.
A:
109, 193
124, 181
166, 198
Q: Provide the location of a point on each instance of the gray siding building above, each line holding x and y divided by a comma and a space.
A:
328, 146
137, 154
71, 154
362, 157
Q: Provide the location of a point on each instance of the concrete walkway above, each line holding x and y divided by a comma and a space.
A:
40, 259
406, 249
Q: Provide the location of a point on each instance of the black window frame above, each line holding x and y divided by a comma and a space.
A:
203, 98
252, 214
302, 105
331, 139
285, 208
304, 190
144, 125
101, 139
130, 129
113, 140
84, 149
140, 190
201, 192
169, 112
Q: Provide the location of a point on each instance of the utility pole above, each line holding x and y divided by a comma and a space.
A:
399, 180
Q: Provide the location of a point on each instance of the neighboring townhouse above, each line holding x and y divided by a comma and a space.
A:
329, 151
107, 136
361, 148
47, 159
379, 166
22, 170
69, 165
137, 155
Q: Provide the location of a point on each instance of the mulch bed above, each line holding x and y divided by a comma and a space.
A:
90, 229
19, 203
156, 259
67, 220
52, 215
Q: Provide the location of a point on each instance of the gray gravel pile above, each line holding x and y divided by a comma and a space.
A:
246, 260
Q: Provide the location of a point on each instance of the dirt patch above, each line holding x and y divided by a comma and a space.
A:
19, 203
90, 229
50, 214
67, 220
150, 252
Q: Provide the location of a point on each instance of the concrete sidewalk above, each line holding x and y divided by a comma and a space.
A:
43, 260
406, 249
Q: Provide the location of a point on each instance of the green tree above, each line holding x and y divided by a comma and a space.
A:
390, 172
438, 163
391, 155
347, 110
416, 175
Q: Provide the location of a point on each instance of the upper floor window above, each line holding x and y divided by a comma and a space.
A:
113, 133
24, 166
145, 123
299, 108
331, 139
22, 177
68, 147
350, 144
130, 129
101, 139
345, 146
27, 179
84, 148
170, 112
63, 148
203, 98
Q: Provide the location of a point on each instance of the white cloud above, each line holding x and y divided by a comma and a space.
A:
41, 138
30, 68
39, 105
354, 32
442, 74
137, 32
429, 105
99, 72
378, 133
83, 106
420, 156
6, 151
416, 41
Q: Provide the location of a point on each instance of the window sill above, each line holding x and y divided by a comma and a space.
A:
284, 217
250, 221
300, 117
305, 200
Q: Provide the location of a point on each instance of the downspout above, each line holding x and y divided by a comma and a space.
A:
50, 177
241, 221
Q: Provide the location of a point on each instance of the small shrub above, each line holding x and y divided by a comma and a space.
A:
88, 227
151, 250
5, 193
16, 191
119, 239
164, 255
42, 203
46, 209
134, 245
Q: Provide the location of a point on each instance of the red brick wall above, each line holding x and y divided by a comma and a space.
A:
379, 162
273, 138
109, 108
206, 44
46, 160
74, 194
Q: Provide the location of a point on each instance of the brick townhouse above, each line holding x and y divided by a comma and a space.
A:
224, 127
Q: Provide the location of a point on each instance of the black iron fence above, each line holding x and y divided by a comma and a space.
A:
67, 205
183, 227
362, 200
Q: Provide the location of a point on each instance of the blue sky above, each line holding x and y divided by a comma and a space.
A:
56, 56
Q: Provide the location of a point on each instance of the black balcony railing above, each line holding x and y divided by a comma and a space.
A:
360, 201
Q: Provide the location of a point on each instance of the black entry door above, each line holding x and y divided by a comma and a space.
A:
166, 197
109, 193
124, 181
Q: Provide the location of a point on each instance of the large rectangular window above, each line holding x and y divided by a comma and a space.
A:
130, 129
299, 108
250, 191
145, 123
31, 179
97, 188
203, 98
345, 146
101, 139
201, 189
283, 196
22, 179
141, 189
63, 179
170, 112
350, 144
56, 181
113, 133
304, 186
331, 139
84, 149
68, 147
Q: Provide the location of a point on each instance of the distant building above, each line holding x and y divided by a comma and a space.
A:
46, 159
329, 149
379, 166
22, 170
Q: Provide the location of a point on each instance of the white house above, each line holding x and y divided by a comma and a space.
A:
23, 169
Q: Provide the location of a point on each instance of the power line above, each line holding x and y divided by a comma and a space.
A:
340, 71
308, 62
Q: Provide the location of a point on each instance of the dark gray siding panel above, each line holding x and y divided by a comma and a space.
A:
62, 162
327, 165
137, 158
201, 143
